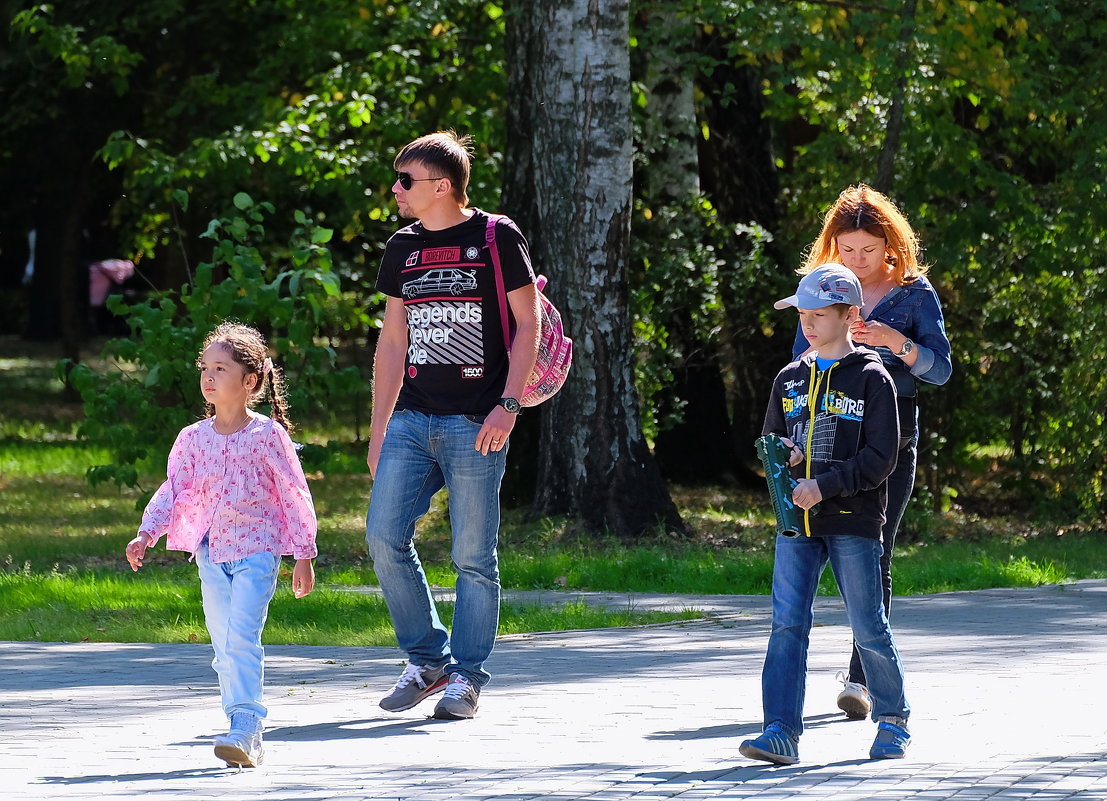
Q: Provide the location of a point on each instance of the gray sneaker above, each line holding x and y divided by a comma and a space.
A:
460, 700
414, 684
241, 746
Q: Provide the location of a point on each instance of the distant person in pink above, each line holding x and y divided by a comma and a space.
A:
237, 500
104, 278
102, 275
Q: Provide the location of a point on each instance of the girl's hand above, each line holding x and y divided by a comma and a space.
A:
136, 550
303, 578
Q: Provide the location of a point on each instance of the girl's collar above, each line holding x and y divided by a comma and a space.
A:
245, 422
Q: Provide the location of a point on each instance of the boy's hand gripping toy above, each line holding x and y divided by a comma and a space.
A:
774, 456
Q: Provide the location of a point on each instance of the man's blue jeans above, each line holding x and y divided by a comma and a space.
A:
422, 453
236, 603
856, 565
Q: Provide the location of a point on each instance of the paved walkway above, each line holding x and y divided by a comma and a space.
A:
1007, 686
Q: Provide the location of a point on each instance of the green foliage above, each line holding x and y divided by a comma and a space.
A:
83, 58
690, 269
313, 120
1000, 164
135, 410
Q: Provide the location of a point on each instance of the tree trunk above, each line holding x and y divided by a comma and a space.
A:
886, 164
739, 175
568, 180
699, 447
59, 288
669, 129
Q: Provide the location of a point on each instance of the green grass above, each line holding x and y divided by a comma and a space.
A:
63, 575
102, 607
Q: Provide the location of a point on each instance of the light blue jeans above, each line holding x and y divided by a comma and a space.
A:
421, 454
236, 602
856, 565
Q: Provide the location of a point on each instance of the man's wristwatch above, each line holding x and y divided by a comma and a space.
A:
510, 405
907, 347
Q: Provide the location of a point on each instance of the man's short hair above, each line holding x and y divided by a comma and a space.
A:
446, 155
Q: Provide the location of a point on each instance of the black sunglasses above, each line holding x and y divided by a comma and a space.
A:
406, 180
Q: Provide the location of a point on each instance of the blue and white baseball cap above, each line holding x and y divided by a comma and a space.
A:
826, 285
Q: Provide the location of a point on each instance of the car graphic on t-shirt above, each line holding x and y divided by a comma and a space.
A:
443, 280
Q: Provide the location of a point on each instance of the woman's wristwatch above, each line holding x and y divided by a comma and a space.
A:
906, 348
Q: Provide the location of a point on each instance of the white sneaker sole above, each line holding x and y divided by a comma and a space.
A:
753, 752
235, 757
855, 707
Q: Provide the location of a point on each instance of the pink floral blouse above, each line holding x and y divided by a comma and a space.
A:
245, 490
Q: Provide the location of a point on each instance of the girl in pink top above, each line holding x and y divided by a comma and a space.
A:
237, 500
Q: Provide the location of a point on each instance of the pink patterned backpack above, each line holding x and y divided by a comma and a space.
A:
555, 350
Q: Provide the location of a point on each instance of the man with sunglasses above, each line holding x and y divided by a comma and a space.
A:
445, 399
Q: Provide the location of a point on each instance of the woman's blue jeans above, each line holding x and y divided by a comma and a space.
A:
856, 565
421, 454
900, 486
236, 598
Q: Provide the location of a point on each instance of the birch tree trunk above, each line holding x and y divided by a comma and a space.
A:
568, 181
886, 164
699, 447
670, 128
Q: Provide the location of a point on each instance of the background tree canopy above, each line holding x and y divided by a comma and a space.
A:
250, 144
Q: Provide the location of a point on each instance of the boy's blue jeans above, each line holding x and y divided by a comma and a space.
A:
422, 453
856, 565
236, 603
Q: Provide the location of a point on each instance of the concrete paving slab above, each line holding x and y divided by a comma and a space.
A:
1006, 687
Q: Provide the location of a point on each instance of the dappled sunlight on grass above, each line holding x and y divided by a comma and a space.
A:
63, 574
58, 457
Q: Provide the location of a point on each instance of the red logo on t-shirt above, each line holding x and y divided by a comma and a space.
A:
440, 255
411, 371
413, 259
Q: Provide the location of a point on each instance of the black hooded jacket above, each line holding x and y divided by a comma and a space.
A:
845, 421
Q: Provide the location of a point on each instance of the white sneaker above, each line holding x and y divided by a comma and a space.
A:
854, 699
241, 747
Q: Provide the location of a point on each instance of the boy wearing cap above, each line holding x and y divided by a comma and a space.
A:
836, 407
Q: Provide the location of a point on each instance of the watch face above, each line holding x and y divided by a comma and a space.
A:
908, 346
510, 404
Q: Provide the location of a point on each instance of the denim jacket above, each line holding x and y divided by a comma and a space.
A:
913, 310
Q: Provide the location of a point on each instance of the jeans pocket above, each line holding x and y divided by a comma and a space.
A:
475, 419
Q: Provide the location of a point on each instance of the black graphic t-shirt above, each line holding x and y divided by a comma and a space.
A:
456, 358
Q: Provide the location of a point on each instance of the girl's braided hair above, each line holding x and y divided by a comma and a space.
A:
247, 347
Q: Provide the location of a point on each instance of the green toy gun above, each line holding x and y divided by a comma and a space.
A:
774, 456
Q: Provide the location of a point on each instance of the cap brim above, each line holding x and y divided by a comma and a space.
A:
806, 303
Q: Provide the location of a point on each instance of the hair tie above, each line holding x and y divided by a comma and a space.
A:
266, 366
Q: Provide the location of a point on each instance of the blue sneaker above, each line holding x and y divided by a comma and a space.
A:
774, 745
891, 740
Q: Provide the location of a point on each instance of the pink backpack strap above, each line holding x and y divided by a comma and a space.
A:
501, 294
